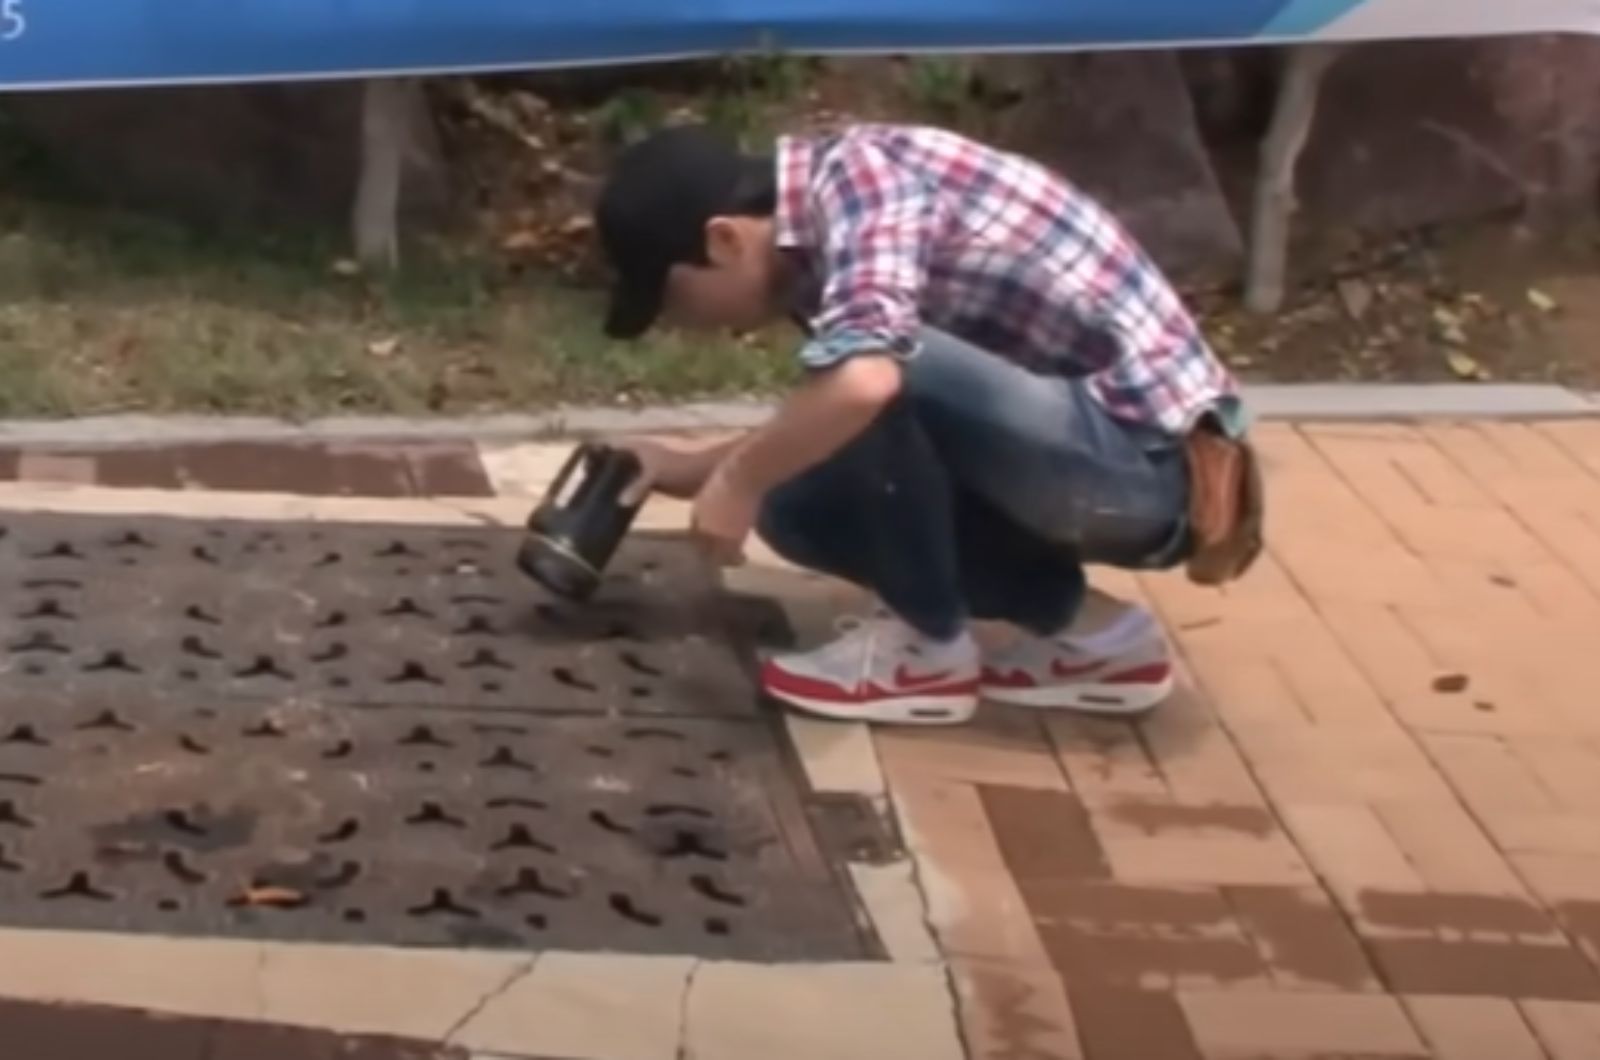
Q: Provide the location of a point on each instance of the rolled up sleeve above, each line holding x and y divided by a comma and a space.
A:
878, 219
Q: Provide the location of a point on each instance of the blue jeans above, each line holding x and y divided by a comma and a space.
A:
981, 493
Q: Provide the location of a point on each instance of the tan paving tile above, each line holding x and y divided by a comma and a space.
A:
1536, 832
1362, 765
1351, 851
838, 757
1460, 692
1560, 877
1242, 682
1568, 768
1195, 755
1005, 747
803, 1012
1448, 850
1549, 491
1241, 1025
1487, 775
594, 1006
1009, 1012
1474, 1028
411, 993
897, 910
1568, 1030
190, 977
973, 902
1104, 759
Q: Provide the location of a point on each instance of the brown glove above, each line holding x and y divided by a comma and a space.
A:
1226, 506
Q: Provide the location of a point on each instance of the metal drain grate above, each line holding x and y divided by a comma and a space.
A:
552, 812
182, 611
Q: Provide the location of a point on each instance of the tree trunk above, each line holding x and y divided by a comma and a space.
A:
1275, 179
386, 108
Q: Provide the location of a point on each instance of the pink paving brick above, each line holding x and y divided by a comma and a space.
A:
1146, 937
1238, 1025
310, 468
1448, 849
1474, 1028
1044, 836
1121, 1024
1305, 941
1195, 755
1567, 1030
1104, 759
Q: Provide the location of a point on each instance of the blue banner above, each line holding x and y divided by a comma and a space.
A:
61, 43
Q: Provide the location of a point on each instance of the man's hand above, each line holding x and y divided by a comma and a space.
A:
672, 467
724, 515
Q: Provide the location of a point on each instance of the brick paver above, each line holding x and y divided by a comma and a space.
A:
442, 469
1367, 823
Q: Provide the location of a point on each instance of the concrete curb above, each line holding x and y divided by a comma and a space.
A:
1309, 401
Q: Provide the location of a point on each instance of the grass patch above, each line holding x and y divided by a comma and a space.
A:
105, 312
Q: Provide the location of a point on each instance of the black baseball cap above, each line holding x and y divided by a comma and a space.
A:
652, 215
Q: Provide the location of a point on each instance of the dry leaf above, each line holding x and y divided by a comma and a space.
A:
1541, 301
271, 897
346, 267
1463, 366
384, 348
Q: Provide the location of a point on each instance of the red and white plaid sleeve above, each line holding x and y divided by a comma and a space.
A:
877, 218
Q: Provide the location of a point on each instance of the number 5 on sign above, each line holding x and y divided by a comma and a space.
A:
13, 23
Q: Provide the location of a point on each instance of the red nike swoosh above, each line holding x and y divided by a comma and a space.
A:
1066, 672
904, 678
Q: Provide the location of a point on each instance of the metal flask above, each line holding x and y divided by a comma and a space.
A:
573, 533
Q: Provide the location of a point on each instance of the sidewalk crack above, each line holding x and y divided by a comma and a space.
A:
519, 973
683, 1052
946, 967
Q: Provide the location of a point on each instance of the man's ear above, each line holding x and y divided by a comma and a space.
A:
722, 240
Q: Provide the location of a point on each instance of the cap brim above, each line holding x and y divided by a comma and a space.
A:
634, 308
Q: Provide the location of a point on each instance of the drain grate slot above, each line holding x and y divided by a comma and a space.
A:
358, 734
274, 838
357, 615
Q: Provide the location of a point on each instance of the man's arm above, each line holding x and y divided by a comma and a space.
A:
816, 420
878, 218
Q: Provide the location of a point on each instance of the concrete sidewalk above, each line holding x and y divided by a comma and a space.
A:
1367, 825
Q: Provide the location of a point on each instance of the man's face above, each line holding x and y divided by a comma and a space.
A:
737, 289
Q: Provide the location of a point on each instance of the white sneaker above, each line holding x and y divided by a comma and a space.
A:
1061, 675
880, 670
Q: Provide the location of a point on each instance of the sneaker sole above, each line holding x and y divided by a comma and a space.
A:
909, 710
1115, 699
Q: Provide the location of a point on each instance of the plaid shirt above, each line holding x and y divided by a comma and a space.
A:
903, 226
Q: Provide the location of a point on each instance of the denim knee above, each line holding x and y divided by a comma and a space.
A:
782, 523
